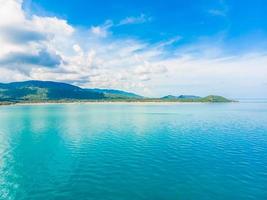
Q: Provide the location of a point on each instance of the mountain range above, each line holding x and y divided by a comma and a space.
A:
48, 91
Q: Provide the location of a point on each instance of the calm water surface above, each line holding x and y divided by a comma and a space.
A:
134, 152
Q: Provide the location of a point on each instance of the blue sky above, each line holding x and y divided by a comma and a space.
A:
164, 19
152, 48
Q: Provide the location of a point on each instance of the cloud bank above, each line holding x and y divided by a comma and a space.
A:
49, 48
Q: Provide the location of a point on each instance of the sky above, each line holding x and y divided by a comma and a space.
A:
153, 48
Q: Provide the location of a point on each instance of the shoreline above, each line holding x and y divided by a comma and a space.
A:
109, 103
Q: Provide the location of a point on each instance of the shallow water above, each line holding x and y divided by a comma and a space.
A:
134, 152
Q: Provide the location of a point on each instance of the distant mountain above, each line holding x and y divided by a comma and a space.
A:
43, 91
215, 98
55, 91
184, 97
110, 93
47, 91
188, 97
192, 98
169, 97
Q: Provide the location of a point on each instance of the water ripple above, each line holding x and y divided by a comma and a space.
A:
133, 152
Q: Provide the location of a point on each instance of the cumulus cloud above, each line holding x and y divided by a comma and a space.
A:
41, 58
21, 35
27, 43
49, 48
144, 77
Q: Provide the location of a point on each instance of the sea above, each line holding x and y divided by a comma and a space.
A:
134, 151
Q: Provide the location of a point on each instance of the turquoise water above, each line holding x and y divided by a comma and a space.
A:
134, 152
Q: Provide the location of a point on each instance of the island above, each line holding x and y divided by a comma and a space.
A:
35, 91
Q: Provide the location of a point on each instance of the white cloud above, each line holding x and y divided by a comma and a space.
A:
52, 25
103, 30
144, 77
217, 12
97, 58
221, 10
142, 70
10, 12
135, 20
77, 48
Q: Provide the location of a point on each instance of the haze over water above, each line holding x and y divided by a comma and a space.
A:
132, 151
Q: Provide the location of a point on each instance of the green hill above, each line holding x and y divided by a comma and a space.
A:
181, 97
192, 98
43, 91
109, 93
214, 98
48, 91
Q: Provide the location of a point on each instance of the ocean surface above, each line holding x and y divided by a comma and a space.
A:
134, 151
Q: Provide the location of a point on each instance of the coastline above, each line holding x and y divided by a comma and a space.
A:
108, 103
